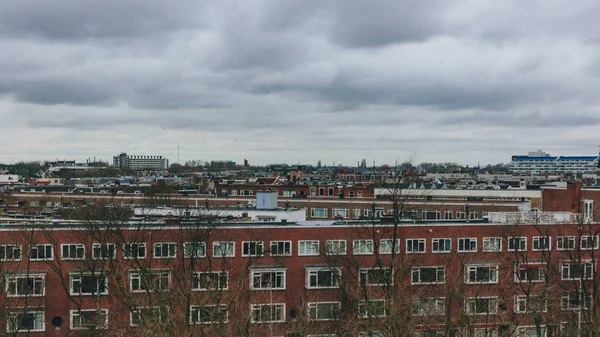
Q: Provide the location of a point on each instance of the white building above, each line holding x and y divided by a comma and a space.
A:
135, 163
541, 162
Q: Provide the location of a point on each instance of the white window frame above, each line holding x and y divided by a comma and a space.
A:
258, 274
13, 248
520, 266
137, 310
77, 276
313, 307
96, 246
77, 246
385, 246
139, 245
489, 312
39, 315
77, 313
493, 240
362, 247
139, 276
302, 245
342, 212
522, 241
230, 252
423, 306
287, 247
280, 307
170, 254
219, 277
586, 238
469, 267
585, 264
45, 248
336, 247
441, 242
418, 241
537, 240
569, 240
363, 306
314, 273
13, 278
463, 242
258, 246
323, 212
197, 318
197, 249
438, 269
524, 300
365, 272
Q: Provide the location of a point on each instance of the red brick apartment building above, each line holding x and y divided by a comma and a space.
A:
517, 277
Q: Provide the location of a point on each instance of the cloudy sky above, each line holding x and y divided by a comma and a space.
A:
299, 80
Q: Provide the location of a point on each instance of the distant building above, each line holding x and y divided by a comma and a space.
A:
140, 162
222, 164
542, 162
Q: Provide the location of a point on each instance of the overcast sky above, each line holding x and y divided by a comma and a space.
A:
299, 81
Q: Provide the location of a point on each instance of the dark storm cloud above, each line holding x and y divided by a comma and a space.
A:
301, 74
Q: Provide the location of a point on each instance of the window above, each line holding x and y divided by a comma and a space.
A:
89, 319
208, 314
481, 305
429, 306
356, 213
481, 274
41, 252
574, 300
252, 248
20, 285
10, 252
448, 215
88, 284
530, 272
165, 250
492, 244
268, 313
319, 212
588, 210
589, 242
428, 275
29, 321
143, 316
467, 244
541, 243
308, 247
530, 304
531, 331
323, 311
372, 308
340, 213
441, 245
565, 243
335, 247
281, 248
103, 251
194, 250
267, 280
134, 251
74, 251
375, 276
415, 245
149, 281
387, 246
362, 247
223, 249
313, 191
323, 278
210, 280
576, 271
330, 191
517, 244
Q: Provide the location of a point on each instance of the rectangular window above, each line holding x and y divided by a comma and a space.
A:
530, 272
194, 250
415, 246
461, 215
372, 308
323, 278
165, 250
376, 276
267, 313
476, 274
389, 246
565, 243
103, 251
517, 244
88, 284
149, 281
577, 271
223, 249
42, 252
89, 319
448, 215
575, 300
428, 275
330, 191
541, 243
319, 212
281, 248
467, 245
481, 305
10, 252
29, 321
356, 213
134, 250
73, 251
362, 247
589, 242
492, 244
340, 213
335, 247
208, 314
313, 191
443, 245
267, 279
321, 191
429, 306
149, 316
252, 248
308, 248
323, 311
530, 304
22, 285
210, 280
